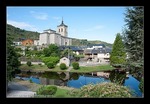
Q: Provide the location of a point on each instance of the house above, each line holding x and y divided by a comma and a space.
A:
65, 60
28, 42
97, 53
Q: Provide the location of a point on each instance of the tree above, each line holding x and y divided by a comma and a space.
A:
134, 41
134, 36
118, 54
12, 59
52, 50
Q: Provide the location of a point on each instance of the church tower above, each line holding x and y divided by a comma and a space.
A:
62, 29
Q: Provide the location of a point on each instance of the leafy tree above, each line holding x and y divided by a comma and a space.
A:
64, 53
134, 37
12, 58
118, 54
54, 60
52, 50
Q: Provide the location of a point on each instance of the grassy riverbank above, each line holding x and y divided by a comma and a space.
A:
62, 91
83, 69
103, 90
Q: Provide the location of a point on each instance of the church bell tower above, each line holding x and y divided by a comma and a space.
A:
62, 29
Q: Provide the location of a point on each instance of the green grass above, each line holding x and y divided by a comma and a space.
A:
83, 69
61, 93
93, 68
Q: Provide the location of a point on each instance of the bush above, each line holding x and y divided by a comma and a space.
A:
30, 80
54, 60
103, 90
46, 90
63, 66
75, 65
29, 63
141, 85
50, 65
39, 64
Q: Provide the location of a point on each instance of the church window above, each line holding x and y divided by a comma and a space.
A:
61, 29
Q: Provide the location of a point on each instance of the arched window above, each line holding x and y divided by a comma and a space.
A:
61, 29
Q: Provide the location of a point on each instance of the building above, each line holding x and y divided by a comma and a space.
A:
97, 52
59, 37
28, 42
17, 43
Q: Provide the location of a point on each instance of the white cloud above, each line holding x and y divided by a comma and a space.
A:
39, 15
56, 18
22, 25
98, 27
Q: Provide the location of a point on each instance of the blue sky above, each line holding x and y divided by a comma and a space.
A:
91, 23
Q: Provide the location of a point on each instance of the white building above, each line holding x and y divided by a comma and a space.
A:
52, 37
36, 42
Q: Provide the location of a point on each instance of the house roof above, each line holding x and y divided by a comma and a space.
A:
91, 45
108, 50
94, 51
74, 48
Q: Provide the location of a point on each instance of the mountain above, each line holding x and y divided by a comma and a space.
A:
82, 42
18, 34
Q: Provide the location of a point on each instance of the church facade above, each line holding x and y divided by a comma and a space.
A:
59, 37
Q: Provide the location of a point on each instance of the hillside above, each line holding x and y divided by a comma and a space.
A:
19, 34
80, 42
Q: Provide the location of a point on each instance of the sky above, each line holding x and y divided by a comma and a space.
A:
91, 23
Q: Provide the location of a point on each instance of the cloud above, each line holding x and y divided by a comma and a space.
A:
39, 15
57, 18
98, 27
22, 25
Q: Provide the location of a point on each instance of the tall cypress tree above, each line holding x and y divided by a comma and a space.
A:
118, 54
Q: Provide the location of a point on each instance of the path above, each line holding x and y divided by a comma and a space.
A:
17, 90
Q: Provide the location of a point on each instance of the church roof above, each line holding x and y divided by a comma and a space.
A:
62, 24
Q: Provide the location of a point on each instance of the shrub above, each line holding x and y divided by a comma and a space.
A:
29, 63
50, 65
77, 58
103, 90
54, 60
30, 80
141, 85
63, 66
75, 65
39, 64
46, 90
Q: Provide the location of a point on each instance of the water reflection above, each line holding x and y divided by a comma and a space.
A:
117, 77
77, 80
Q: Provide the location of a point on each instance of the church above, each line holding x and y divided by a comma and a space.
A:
58, 37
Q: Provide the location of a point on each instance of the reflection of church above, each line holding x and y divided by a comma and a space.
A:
59, 37
61, 81
47, 81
